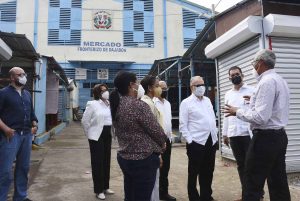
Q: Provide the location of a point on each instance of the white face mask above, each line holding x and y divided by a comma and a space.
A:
199, 91
23, 80
105, 95
255, 74
140, 91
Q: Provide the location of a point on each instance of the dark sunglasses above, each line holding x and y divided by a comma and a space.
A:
198, 85
22, 75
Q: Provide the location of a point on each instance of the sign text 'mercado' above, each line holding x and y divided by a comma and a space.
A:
101, 44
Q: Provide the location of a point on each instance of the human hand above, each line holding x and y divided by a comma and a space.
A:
9, 132
34, 130
164, 147
226, 140
229, 110
160, 162
247, 98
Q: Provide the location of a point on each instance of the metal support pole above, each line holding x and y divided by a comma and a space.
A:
192, 66
179, 93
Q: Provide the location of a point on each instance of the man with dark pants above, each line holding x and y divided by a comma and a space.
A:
17, 124
235, 131
268, 115
197, 123
164, 107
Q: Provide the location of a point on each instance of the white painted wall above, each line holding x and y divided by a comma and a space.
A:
132, 54
25, 18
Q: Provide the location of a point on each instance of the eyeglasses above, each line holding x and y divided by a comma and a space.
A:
21, 75
198, 85
254, 63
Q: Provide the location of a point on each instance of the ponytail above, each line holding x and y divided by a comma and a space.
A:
114, 100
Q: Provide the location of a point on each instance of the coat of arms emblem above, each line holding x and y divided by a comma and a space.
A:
102, 20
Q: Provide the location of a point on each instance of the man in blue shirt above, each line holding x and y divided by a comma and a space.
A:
17, 124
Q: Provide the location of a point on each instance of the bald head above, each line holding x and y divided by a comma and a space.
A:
15, 71
163, 85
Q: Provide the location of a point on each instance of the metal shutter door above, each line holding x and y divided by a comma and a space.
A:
287, 51
241, 56
61, 105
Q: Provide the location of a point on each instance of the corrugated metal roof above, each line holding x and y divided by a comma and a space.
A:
52, 64
20, 45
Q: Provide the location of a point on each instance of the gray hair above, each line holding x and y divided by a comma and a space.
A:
193, 78
267, 56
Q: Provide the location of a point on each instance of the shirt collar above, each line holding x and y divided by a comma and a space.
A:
194, 97
155, 99
271, 71
245, 85
147, 97
102, 102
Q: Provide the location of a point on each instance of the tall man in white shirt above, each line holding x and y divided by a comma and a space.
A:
235, 131
164, 107
197, 123
268, 115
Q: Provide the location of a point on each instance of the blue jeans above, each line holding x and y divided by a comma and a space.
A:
139, 177
19, 148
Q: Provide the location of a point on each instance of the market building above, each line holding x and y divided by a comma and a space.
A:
93, 40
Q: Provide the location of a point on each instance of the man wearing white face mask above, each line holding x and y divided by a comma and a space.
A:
198, 126
96, 122
17, 124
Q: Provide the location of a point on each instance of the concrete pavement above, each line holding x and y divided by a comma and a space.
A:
62, 172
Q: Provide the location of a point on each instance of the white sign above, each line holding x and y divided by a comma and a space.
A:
80, 74
102, 74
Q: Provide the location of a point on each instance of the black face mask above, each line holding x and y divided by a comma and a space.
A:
236, 80
164, 94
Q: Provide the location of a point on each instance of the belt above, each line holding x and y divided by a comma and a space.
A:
22, 131
254, 131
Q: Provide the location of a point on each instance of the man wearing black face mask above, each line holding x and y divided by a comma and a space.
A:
164, 107
237, 132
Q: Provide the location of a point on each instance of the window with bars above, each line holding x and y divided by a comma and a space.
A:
138, 23
64, 22
8, 11
192, 26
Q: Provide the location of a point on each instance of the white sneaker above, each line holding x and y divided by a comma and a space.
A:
101, 196
109, 191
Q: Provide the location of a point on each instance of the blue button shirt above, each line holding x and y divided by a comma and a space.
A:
16, 111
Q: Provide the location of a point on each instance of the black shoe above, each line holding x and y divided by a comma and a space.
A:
27, 199
167, 197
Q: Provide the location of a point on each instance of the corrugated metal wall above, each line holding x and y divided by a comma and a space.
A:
287, 51
241, 56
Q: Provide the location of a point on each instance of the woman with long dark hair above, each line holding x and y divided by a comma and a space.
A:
141, 139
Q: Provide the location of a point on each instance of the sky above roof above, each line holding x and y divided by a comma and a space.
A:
223, 5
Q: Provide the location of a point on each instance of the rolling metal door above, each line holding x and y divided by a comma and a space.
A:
287, 51
61, 105
241, 56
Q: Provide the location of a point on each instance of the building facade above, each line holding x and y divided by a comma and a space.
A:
94, 39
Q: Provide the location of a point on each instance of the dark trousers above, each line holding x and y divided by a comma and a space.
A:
100, 160
139, 177
265, 159
164, 170
201, 165
239, 146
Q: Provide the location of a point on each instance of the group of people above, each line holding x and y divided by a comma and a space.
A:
139, 115
141, 119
